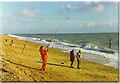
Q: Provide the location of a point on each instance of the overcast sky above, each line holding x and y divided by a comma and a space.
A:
45, 17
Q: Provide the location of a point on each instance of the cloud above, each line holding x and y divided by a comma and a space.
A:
87, 3
29, 13
80, 25
108, 24
98, 8
68, 8
112, 3
3, 16
7, 19
100, 24
85, 7
90, 24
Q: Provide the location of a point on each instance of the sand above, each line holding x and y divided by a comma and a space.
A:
25, 67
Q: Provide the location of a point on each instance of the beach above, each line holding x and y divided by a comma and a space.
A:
25, 67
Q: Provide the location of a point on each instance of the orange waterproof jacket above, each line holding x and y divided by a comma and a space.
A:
43, 52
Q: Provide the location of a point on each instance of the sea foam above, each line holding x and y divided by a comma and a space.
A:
93, 54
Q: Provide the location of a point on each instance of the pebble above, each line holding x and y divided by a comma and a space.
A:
34, 80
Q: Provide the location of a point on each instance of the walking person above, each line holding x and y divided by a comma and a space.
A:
72, 57
43, 53
79, 58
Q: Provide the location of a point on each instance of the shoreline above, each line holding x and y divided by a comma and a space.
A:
97, 58
22, 67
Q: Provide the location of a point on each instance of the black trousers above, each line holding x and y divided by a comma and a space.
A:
78, 65
72, 62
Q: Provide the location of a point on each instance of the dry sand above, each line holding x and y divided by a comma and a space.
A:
18, 66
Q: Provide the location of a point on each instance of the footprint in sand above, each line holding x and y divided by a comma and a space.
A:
4, 70
25, 72
34, 80
41, 72
50, 77
62, 63
42, 77
11, 73
104, 76
45, 72
59, 75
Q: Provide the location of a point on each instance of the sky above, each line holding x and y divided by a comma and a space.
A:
45, 17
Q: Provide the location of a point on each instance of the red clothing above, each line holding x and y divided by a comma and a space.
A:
43, 53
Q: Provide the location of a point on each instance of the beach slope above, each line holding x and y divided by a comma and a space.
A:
18, 66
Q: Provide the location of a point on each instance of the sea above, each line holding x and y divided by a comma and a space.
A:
94, 46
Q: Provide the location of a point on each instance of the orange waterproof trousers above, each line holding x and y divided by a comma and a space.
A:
44, 58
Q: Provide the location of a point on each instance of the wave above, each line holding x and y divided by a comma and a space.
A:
56, 42
101, 50
110, 54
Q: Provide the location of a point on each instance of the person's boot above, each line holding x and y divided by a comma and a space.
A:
41, 69
78, 67
71, 66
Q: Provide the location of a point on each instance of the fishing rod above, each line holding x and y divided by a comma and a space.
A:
24, 46
56, 31
25, 42
51, 38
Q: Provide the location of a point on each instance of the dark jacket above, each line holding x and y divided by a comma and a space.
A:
71, 56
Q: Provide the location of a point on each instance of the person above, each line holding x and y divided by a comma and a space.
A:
72, 57
6, 40
79, 57
43, 53
110, 42
11, 41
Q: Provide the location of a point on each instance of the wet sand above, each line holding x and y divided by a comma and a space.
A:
25, 67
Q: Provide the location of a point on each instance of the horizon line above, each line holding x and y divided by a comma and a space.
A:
61, 33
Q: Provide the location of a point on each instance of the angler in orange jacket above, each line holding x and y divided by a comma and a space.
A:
43, 53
